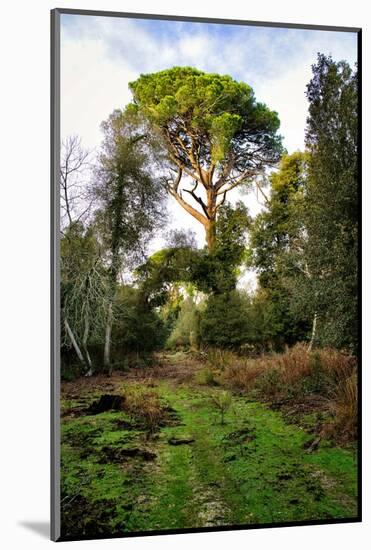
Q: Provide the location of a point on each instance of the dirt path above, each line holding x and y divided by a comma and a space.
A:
252, 469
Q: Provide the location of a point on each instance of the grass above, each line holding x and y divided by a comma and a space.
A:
325, 378
251, 469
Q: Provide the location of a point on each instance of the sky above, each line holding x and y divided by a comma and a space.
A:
101, 55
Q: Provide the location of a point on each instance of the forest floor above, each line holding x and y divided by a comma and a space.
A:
192, 470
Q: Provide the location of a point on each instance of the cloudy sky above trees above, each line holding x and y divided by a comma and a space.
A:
100, 55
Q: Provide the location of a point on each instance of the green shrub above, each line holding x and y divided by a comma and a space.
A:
137, 326
270, 382
318, 380
224, 322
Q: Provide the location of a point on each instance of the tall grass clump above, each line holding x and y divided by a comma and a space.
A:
144, 406
220, 359
207, 377
343, 405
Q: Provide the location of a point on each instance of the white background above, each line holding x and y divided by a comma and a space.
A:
24, 288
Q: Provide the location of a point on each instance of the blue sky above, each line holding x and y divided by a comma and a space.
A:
101, 55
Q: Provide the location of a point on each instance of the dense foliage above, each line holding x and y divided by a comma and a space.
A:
277, 240
302, 245
332, 199
220, 115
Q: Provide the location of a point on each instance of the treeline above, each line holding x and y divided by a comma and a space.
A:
119, 304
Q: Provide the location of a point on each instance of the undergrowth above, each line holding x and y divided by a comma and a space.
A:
326, 378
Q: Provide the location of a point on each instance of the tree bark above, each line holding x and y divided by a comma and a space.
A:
74, 342
85, 346
210, 229
314, 331
211, 209
107, 341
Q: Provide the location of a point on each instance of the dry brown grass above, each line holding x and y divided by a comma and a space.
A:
325, 377
344, 407
145, 405
242, 374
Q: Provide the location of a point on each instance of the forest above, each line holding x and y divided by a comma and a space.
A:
213, 385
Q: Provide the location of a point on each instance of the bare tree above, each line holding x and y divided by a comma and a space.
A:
76, 164
84, 307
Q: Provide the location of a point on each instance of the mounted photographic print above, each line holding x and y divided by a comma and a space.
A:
205, 289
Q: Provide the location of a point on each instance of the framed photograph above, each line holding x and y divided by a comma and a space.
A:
205, 274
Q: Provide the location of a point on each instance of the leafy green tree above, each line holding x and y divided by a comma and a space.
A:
130, 202
277, 238
274, 323
162, 273
332, 199
213, 270
216, 270
305, 243
216, 135
278, 232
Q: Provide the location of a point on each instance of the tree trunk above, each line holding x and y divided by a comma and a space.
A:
210, 226
74, 342
85, 346
107, 342
210, 230
314, 331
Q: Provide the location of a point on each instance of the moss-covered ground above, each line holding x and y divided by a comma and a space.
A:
194, 470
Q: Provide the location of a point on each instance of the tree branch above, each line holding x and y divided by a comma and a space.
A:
261, 191
222, 201
172, 188
198, 199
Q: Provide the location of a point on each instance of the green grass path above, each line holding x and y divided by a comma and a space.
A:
253, 469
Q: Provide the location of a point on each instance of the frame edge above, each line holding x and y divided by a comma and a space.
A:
55, 293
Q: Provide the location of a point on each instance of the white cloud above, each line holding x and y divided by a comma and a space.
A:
193, 48
91, 87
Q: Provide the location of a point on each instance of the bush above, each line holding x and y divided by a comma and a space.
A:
70, 368
327, 377
270, 382
242, 375
324, 381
